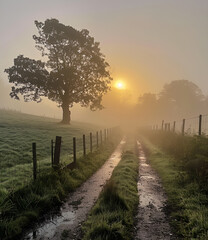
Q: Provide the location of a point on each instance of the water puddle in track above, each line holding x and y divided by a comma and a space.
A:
152, 222
77, 206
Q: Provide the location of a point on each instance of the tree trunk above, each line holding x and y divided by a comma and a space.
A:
66, 114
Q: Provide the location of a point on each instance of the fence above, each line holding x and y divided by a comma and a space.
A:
189, 126
61, 154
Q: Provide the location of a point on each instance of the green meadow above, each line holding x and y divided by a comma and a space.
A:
17, 133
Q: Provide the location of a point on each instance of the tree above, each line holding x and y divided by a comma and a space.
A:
182, 96
75, 71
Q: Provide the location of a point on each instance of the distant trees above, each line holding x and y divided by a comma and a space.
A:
182, 95
74, 70
180, 98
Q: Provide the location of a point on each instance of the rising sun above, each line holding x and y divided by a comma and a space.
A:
120, 85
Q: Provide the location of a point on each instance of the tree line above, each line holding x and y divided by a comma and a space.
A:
177, 99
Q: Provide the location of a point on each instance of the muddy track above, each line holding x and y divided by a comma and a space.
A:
78, 204
152, 222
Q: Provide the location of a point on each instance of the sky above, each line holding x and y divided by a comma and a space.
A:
146, 42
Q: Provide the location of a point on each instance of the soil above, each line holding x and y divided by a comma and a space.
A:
67, 223
152, 222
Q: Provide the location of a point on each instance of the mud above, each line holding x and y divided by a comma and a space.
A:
67, 223
152, 222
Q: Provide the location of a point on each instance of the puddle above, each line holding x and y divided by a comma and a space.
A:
77, 206
152, 222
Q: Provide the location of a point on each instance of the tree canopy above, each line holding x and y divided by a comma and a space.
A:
178, 99
74, 70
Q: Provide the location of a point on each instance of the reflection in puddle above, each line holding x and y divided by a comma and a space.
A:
50, 226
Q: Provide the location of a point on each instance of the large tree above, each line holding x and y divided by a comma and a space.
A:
73, 71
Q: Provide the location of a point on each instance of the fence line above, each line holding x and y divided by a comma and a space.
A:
80, 146
189, 126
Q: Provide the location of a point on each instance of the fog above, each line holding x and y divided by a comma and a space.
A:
148, 44
176, 100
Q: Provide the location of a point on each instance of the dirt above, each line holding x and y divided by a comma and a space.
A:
67, 223
152, 222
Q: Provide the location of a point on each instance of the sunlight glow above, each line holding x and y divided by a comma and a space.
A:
120, 85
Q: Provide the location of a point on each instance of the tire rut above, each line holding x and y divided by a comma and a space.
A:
78, 205
152, 222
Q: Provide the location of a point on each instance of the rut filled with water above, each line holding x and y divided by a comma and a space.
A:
152, 222
78, 205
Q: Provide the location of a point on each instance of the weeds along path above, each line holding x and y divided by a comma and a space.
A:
74, 211
152, 223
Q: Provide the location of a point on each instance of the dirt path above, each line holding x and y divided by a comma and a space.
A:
152, 222
78, 205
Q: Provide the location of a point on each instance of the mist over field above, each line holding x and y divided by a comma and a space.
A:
145, 48
104, 119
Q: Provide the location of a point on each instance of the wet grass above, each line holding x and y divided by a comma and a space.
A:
21, 208
18, 131
185, 187
112, 216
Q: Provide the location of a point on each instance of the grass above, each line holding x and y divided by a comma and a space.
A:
177, 161
112, 217
21, 208
19, 130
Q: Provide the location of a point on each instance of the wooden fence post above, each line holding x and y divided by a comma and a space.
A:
52, 153
84, 145
183, 126
74, 150
162, 124
105, 134
200, 125
101, 138
174, 125
90, 142
97, 138
34, 161
57, 151
169, 127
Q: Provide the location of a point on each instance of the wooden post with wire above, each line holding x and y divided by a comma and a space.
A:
169, 127
174, 125
57, 151
101, 138
105, 134
183, 126
97, 139
34, 161
52, 153
74, 150
162, 124
200, 125
90, 142
84, 145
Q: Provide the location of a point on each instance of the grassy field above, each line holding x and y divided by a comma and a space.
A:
182, 165
21, 208
112, 217
18, 131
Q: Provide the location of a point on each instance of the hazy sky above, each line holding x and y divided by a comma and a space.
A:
146, 42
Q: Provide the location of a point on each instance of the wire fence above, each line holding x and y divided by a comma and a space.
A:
197, 125
39, 158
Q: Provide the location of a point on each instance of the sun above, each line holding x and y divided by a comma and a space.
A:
120, 85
